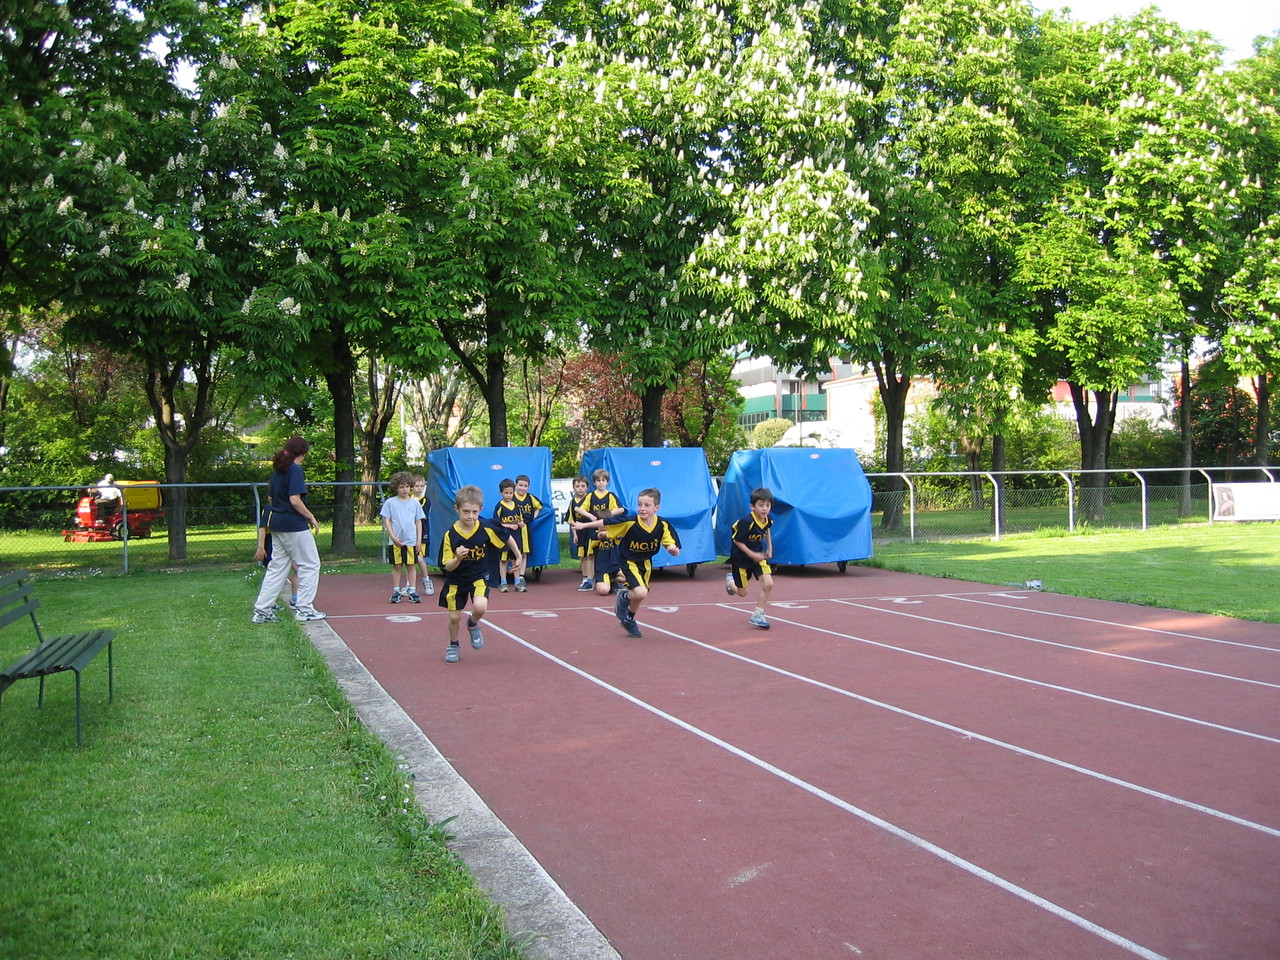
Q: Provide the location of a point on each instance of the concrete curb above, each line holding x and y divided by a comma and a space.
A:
536, 909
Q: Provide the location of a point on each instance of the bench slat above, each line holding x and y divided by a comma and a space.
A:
71, 651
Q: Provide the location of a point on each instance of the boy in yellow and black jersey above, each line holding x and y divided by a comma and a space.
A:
639, 537
464, 553
599, 504
752, 549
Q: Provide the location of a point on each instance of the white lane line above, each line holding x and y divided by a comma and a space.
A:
1013, 676
946, 855
1057, 643
966, 598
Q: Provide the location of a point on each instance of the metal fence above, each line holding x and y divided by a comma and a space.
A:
934, 506
41, 528
38, 524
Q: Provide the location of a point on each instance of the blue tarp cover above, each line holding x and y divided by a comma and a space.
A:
455, 467
821, 502
681, 476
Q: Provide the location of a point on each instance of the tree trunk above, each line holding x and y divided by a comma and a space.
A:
175, 501
973, 463
1095, 446
340, 377
1262, 438
999, 462
651, 415
894, 388
1188, 441
384, 395
495, 397
178, 439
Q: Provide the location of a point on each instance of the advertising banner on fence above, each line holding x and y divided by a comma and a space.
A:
1246, 501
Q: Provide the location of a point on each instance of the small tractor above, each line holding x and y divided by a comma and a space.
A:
132, 515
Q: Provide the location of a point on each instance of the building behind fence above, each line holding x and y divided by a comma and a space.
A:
222, 518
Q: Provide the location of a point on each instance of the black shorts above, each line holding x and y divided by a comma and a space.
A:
455, 594
405, 555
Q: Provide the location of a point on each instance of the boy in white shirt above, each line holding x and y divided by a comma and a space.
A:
402, 519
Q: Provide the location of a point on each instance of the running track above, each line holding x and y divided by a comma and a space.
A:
901, 767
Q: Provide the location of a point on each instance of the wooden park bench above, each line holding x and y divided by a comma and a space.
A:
72, 651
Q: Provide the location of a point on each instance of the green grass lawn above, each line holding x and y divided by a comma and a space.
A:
1231, 569
227, 804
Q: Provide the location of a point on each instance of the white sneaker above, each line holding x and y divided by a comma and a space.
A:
428, 588
265, 618
303, 615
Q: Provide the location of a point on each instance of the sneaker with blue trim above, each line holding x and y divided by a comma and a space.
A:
757, 620
632, 628
586, 585
520, 585
473, 628
621, 606
413, 597
395, 596
265, 618
451, 654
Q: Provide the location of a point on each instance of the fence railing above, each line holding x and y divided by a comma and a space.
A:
956, 504
38, 524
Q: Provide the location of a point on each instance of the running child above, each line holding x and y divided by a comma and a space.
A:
639, 537
508, 515
602, 504
580, 537
402, 519
606, 565
752, 550
464, 552
420, 494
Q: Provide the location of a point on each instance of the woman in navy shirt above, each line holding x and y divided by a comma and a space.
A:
290, 523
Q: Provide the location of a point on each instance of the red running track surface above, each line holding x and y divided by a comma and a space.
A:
901, 767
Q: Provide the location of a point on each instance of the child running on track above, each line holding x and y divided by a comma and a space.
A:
602, 504
752, 548
464, 554
638, 537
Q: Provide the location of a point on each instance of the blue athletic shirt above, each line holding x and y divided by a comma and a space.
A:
282, 518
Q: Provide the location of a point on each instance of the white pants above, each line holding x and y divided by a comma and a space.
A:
297, 549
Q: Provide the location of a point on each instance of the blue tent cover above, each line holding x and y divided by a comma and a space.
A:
682, 477
455, 467
821, 502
